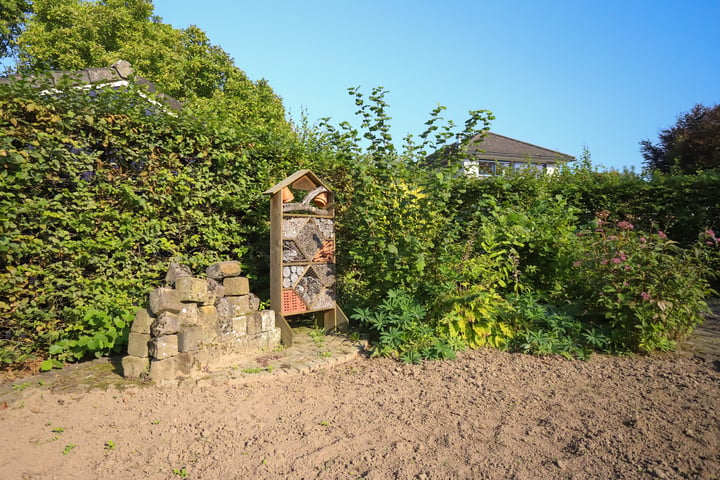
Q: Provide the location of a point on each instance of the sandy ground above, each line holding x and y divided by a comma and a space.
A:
490, 414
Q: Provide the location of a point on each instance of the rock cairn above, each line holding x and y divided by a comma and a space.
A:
194, 323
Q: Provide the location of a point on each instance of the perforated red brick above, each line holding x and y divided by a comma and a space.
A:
291, 302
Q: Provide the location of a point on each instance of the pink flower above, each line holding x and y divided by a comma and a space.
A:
643, 239
577, 263
616, 260
645, 296
603, 262
709, 243
710, 233
612, 237
661, 234
624, 225
627, 267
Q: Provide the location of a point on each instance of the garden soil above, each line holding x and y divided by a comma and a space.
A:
490, 414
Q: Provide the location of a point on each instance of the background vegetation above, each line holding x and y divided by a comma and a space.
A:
100, 190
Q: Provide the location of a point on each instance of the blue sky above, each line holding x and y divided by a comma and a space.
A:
560, 74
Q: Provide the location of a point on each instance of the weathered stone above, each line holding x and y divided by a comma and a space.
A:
231, 307
191, 338
214, 291
165, 300
123, 68
138, 344
186, 362
133, 366
164, 347
267, 320
222, 270
167, 369
236, 286
207, 316
192, 289
254, 323
188, 316
142, 322
240, 326
165, 324
240, 305
176, 271
254, 302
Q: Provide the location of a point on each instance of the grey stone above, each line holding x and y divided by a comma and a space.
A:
207, 316
192, 289
254, 302
188, 316
138, 344
175, 271
167, 369
231, 307
123, 68
240, 305
142, 322
254, 324
134, 367
191, 338
222, 270
186, 362
102, 75
165, 300
267, 320
240, 326
164, 347
165, 324
236, 286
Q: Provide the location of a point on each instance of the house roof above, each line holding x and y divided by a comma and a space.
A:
118, 74
497, 147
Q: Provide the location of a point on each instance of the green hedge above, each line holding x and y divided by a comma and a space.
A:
99, 190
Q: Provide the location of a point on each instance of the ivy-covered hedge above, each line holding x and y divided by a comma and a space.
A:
99, 189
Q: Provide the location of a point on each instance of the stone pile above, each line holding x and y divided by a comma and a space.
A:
196, 323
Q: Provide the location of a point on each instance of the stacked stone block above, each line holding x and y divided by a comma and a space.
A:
192, 323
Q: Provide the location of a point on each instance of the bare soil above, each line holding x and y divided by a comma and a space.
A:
489, 414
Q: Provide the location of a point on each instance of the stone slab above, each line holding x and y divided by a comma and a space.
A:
164, 347
175, 271
192, 289
134, 367
188, 316
165, 324
165, 300
142, 322
138, 344
207, 316
236, 286
267, 320
166, 369
191, 338
223, 270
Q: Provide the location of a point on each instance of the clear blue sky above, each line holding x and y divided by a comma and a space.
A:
557, 73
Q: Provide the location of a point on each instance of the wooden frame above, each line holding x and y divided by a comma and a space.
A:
302, 253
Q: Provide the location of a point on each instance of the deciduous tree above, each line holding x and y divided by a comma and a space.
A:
692, 144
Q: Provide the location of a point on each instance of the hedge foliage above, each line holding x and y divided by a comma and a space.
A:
100, 190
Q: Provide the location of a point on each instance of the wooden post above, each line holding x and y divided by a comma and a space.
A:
276, 215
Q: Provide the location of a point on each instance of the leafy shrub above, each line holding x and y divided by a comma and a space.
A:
641, 289
403, 331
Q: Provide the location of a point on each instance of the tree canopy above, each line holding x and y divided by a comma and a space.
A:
692, 144
76, 34
12, 18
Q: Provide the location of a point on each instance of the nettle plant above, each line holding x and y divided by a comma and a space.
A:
640, 289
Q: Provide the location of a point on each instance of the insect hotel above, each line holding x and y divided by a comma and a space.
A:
302, 253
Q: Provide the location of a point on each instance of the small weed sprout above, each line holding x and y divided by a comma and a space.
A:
69, 448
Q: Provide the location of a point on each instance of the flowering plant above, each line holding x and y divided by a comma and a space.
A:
641, 289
